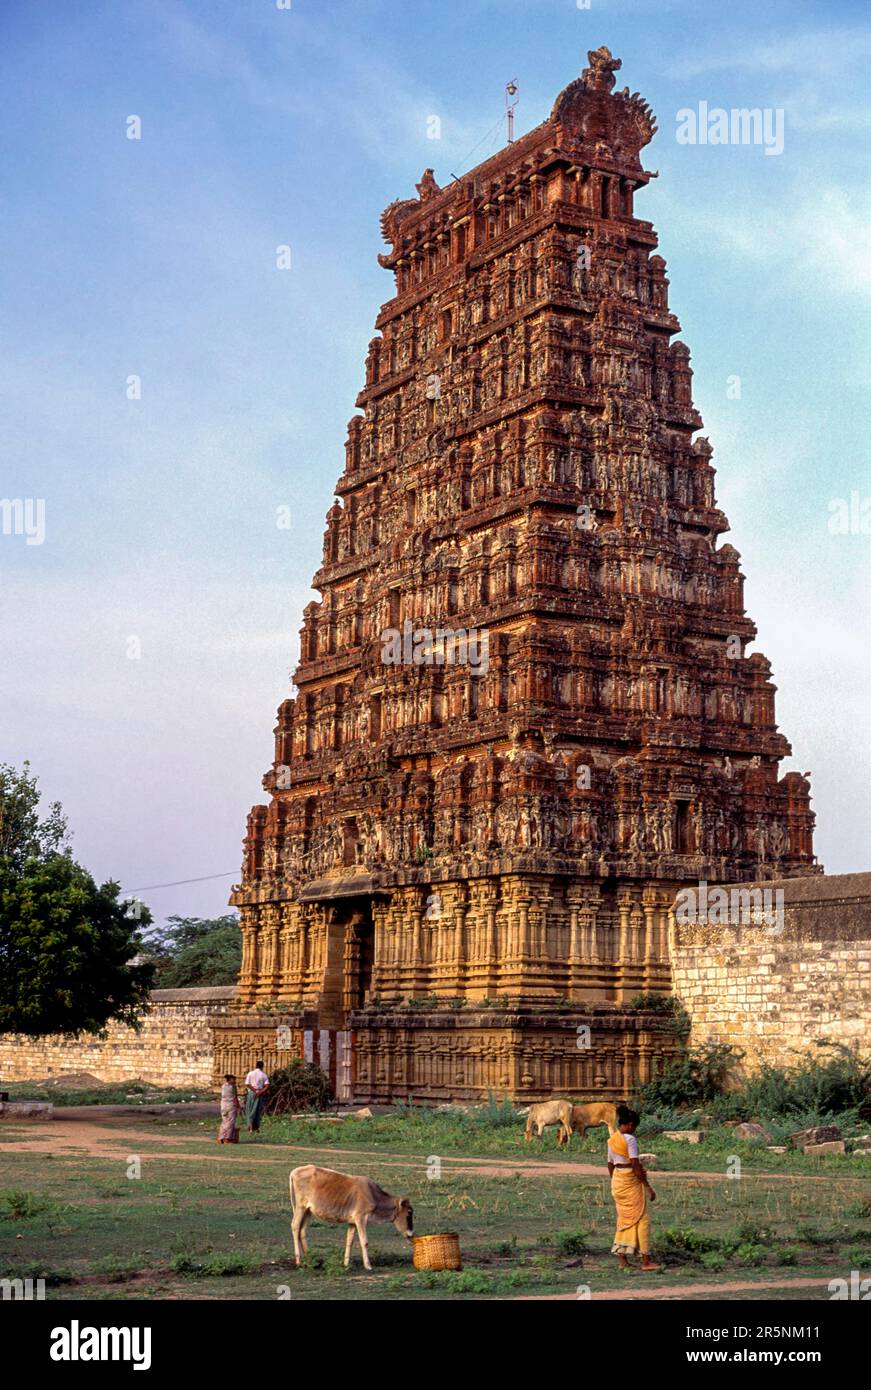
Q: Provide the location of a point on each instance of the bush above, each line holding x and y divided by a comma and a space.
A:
751, 1234
18, 1205
750, 1254
695, 1076
298, 1086
496, 1114
818, 1085
689, 1242
668, 1006
212, 1266
712, 1259
653, 1122
571, 1243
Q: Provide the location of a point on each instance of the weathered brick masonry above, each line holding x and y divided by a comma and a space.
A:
173, 1046
773, 994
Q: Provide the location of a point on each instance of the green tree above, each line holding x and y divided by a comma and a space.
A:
66, 945
190, 951
22, 834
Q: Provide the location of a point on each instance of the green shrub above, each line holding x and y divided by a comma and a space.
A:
695, 1076
689, 1242
832, 1082
712, 1259
667, 1006
496, 1114
18, 1205
751, 1234
751, 1254
811, 1235
859, 1256
571, 1243
212, 1266
655, 1121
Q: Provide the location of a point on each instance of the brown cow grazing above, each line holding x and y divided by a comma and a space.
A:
332, 1196
550, 1112
586, 1117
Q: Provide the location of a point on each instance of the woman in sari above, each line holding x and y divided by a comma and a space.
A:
630, 1190
231, 1106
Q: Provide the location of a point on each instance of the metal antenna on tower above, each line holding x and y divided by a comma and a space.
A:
510, 91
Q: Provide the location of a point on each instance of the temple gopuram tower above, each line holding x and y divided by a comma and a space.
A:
526, 715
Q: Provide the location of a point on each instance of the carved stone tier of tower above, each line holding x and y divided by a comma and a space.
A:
525, 712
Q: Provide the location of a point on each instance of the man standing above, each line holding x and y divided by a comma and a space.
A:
256, 1086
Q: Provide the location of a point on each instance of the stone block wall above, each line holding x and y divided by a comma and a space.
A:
172, 1048
773, 992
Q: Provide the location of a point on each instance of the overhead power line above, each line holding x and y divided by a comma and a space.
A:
150, 887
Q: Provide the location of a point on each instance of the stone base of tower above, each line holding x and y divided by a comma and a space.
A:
460, 1055
449, 1055
514, 982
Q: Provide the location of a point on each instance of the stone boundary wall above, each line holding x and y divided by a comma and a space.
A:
172, 1048
773, 993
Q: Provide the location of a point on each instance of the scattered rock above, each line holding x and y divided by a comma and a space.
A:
777, 1148
863, 1153
648, 1160
832, 1146
26, 1110
751, 1130
684, 1136
364, 1114
817, 1134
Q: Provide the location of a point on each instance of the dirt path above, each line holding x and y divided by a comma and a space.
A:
82, 1138
641, 1291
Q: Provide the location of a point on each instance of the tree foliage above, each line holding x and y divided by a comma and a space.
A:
67, 946
23, 835
191, 951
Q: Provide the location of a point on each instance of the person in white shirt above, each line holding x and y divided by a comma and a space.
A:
256, 1086
630, 1190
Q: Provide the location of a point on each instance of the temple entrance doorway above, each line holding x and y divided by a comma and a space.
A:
359, 955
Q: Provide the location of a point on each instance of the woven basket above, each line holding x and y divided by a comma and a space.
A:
437, 1252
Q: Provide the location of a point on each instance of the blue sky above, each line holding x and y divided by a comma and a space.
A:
156, 258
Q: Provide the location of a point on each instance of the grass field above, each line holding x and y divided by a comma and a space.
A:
202, 1221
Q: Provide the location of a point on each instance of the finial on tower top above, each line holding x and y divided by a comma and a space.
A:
599, 76
427, 188
597, 122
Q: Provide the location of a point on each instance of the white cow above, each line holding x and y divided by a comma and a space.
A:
332, 1196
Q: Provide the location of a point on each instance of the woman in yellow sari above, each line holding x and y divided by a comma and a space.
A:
630, 1190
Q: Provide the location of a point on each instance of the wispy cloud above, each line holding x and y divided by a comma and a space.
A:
823, 53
